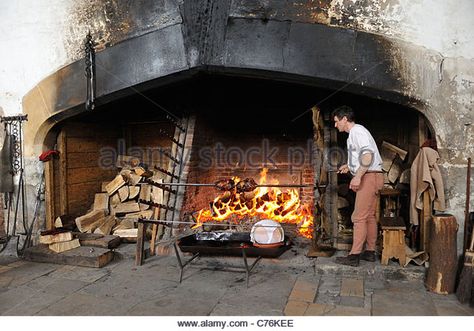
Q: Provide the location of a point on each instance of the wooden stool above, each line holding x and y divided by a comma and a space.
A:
393, 231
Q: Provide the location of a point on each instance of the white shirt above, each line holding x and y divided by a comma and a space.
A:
361, 142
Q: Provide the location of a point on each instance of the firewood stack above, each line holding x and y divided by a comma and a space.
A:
392, 165
59, 240
117, 208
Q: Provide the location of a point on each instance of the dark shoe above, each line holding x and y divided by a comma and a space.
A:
351, 260
368, 256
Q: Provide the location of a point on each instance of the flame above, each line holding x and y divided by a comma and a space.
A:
263, 203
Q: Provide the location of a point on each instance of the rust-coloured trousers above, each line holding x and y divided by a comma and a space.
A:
363, 217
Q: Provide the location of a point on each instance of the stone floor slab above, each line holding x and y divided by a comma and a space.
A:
171, 305
209, 288
83, 274
304, 290
260, 309
352, 287
4, 268
352, 301
295, 308
81, 304
33, 305
402, 299
13, 297
317, 309
348, 311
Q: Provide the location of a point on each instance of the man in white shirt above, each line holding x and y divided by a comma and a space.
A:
365, 165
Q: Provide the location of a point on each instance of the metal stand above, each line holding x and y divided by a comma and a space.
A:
181, 265
15, 193
247, 269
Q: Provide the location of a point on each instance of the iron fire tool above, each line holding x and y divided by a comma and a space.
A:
170, 137
166, 172
12, 164
169, 156
245, 185
240, 188
175, 123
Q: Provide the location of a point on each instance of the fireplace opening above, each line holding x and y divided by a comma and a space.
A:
237, 128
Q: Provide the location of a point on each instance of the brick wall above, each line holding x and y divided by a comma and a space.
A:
215, 156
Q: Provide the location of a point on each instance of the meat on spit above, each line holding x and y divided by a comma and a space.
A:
246, 185
225, 184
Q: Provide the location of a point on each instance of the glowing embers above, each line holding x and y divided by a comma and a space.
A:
235, 206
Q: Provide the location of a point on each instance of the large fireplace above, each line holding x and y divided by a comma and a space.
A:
238, 129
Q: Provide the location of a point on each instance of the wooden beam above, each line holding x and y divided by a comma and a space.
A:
49, 194
80, 256
139, 257
62, 148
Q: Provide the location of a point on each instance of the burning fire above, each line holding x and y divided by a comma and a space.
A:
263, 203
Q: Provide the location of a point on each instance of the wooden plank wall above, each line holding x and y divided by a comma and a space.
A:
83, 174
79, 175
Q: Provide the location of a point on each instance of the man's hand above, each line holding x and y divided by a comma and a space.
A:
344, 169
354, 184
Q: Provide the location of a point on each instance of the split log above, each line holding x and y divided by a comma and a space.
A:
139, 171
55, 238
58, 223
64, 246
134, 179
131, 178
394, 172
441, 275
157, 193
123, 193
114, 200
133, 191
125, 173
127, 207
103, 185
115, 184
88, 222
401, 152
127, 234
124, 224
101, 201
106, 226
97, 240
145, 194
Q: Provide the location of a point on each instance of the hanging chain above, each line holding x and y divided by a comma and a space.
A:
90, 72
14, 126
16, 144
